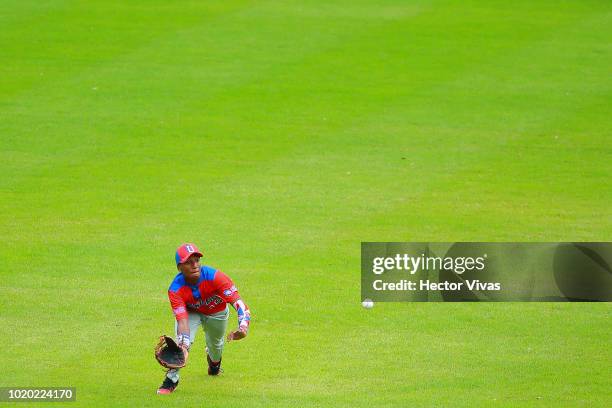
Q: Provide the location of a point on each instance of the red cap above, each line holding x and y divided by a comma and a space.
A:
185, 251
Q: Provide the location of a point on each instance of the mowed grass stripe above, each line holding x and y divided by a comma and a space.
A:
47, 42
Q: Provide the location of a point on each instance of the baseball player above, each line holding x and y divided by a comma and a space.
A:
199, 296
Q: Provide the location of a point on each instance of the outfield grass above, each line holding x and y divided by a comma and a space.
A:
278, 136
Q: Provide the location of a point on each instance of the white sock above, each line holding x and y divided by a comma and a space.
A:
173, 375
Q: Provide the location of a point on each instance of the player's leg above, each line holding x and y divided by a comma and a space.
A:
172, 376
215, 326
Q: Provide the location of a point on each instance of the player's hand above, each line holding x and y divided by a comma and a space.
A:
237, 335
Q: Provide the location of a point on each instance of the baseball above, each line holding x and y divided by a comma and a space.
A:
367, 303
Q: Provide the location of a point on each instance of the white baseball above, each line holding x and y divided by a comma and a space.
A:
367, 303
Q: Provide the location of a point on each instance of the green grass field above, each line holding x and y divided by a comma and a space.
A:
278, 136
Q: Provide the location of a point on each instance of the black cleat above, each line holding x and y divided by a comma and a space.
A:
167, 386
213, 368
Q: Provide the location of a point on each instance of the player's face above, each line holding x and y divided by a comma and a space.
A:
191, 268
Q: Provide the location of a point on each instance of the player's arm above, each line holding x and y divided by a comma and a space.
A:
180, 312
244, 319
228, 292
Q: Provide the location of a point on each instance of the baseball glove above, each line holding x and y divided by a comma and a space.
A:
169, 354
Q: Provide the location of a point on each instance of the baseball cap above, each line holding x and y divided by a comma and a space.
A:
185, 251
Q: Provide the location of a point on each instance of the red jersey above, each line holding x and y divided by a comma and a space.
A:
210, 295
